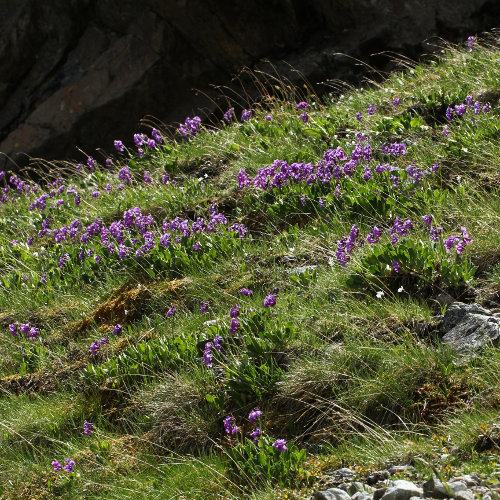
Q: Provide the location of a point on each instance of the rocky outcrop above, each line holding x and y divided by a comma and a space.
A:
83, 72
469, 327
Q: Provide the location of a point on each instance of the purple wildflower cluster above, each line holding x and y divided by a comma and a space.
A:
87, 428
399, 228
24, 329
228, 115
461, 109
135, 234
335, 166
69, 467
303, 106
97, 344
190, 127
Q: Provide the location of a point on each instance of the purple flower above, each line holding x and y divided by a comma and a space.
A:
446, 131
151, 143
255, 434
427, 219
359, 117
450, 243
270, 300
434, 233
280, 445
246, 114
470, 43
119, 146
87, 428
108, 162
157, 136
245, 291
33, 332
95, 194
124, 175
486, 108
70, 465
435, 167
207, 357
460, 109
374, 235
396, 101
204, 307
269, 118
91, 163
371, 109
396, 265
304, 117
13, 329
94, 347
56, 466
218, 342
254, 415
117, 329
228, 115
171, 311
302, 105
449, 114
228, 425
234, 313
235, 324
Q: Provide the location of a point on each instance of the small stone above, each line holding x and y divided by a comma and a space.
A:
402, 490
395, 469
434, 488
354, 487
465, 495
362, 495
331, 494
379, 493
469, 479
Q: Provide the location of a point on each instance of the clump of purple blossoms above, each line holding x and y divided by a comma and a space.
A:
268, 118
245, 291
119, 146
70, 465
235, 324
270, 300
190, 127
304, 117
396, 265
470, 43
117, 329
255, 434
87, 428
246, 114
254, 415
371, 109
217, 342
171, 312
207, 356
359, 117
229, 426
56, 465
204, 307
234, 313
302, 105
280, 445
228, 115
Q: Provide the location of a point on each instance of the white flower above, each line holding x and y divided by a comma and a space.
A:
400, 289
380, 294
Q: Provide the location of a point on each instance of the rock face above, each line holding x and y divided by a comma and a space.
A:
83, 72
469, 327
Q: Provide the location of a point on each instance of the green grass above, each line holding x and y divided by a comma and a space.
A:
347, 365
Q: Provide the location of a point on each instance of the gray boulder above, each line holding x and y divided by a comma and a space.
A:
435, 488
469, 327
331, 494
402, 490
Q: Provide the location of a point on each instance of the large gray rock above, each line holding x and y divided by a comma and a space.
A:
331, 494
468, 328
434, 488
402, 490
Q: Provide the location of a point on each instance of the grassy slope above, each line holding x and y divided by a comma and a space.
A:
338, 367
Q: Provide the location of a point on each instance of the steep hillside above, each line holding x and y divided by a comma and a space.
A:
236, 312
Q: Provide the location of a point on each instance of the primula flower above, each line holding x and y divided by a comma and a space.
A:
255, 434
280, 445
228, 425
269, 118
304, 117
235, 324
87, 428
396, 265
234, 312
396, 101
207, 357
13, 329
449, 114
246, 114
359, 117
254, 415
302, 105
228, 115
119, 146
245, 291
70, 465
204, 307
117, 329
156, 136
171, 311
56, 466
470, 43
446, 131
427, 219
371, 109
270, 301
